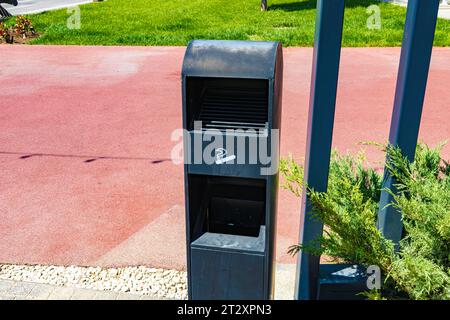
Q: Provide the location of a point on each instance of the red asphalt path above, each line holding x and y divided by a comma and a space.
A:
85, 175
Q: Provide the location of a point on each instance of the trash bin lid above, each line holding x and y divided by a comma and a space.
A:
231, 59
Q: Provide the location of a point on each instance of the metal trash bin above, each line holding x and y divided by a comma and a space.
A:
231, 112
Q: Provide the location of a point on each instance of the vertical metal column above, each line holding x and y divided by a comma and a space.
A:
327, 50
412, 78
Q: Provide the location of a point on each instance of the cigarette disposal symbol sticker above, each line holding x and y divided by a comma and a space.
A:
221, 156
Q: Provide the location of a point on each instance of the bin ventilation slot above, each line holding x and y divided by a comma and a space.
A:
227, 108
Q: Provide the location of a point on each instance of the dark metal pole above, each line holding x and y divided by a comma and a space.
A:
264, 5
412, 78
327, 50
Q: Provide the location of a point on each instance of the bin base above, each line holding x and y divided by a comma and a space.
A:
228, 267
341, 282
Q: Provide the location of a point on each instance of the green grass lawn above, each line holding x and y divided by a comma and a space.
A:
176, 22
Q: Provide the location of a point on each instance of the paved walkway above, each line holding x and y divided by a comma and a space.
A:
444, 10
85, 146
37, 6
20, 290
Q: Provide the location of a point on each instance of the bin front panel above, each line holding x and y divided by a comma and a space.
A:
222, 275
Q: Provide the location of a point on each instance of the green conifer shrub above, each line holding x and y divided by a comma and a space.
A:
420, 269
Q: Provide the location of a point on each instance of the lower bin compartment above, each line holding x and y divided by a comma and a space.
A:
228, 234
235, 216
226, 205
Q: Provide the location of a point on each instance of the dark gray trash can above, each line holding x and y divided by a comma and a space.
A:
231, 93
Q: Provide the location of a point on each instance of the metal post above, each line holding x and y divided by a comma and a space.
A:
415, 59
327, 49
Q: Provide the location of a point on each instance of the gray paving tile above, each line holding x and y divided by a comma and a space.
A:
23, 298
128, 296
106, 295
83, 294
41, 291
61, 293
22, 289
147, 297
6, 285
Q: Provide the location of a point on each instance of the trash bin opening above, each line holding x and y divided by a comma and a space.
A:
235, 216
222, 103
230, 206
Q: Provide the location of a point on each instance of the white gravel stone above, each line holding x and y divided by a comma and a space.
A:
141, 280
